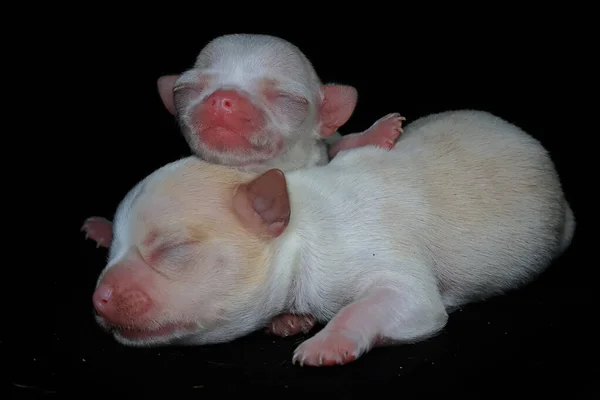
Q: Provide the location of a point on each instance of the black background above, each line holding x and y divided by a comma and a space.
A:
537, 339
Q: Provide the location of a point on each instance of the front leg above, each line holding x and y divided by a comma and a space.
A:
394, 312
98, 229
383, 133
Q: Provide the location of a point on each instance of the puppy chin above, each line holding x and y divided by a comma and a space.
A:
148, 340
167, 334
258, 153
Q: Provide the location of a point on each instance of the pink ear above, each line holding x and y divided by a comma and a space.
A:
337, 108
165, 90
263, 204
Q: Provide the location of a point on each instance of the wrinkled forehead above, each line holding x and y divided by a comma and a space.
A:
185, 193
257, 55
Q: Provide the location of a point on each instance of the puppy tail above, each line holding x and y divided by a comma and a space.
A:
569, 229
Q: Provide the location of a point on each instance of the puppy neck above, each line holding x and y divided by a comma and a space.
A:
300, 262
307, 152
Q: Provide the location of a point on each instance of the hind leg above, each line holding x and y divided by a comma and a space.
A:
383, 133
290, 324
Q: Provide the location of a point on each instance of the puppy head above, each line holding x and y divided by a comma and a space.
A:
249, 98
191, 251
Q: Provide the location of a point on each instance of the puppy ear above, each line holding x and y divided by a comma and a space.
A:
165, 89
263, 204
337, 107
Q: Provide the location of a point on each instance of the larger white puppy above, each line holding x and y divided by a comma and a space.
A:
380, 244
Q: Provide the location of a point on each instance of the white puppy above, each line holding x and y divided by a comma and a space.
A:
380, 244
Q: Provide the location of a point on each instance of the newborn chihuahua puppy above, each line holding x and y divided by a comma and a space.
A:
380, 245
256, 102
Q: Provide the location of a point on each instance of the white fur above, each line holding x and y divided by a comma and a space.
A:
371, 210
387, 243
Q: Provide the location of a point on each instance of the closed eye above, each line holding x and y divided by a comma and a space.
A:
291, 97
183, 93
290, 105
173, 252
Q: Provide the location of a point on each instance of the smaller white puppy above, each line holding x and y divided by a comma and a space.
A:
380, 244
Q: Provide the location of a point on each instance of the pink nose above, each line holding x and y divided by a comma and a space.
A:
120, 308
228, 101
230, 110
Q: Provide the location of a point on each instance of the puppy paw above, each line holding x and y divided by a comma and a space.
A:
99, 230
384, 132
329, 348
290, 324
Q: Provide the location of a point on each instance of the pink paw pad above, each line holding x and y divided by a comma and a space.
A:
99, 230
290, 324
384, 132
327, 349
